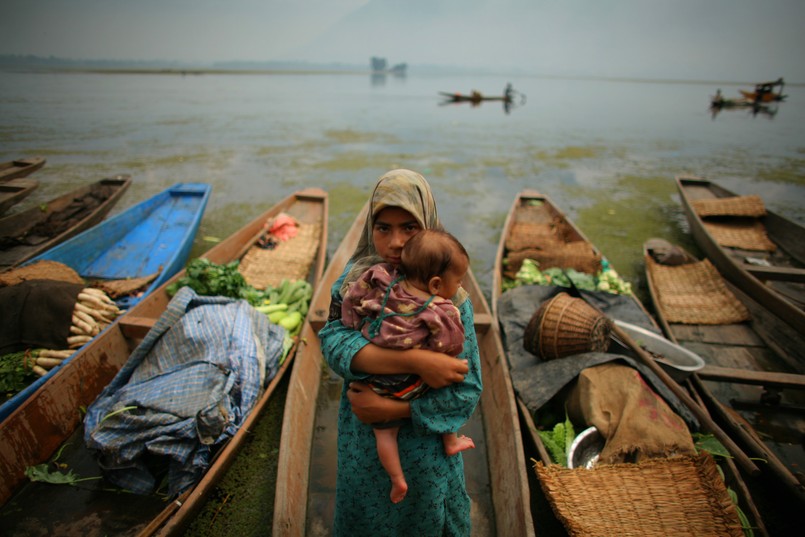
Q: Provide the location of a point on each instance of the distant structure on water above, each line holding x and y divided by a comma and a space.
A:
380, 65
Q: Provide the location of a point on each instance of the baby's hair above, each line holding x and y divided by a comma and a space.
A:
430, 253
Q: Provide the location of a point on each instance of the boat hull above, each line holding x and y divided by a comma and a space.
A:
510, 512
21, 224
746, 356
152, 237
51, 417
23, 167
14, 191
788, 261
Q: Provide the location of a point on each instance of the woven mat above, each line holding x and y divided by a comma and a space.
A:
734, 206
577, 255
530, 235
745, 234
676, 496
125, 287
535, 225
290, 259
695, 293
41, 270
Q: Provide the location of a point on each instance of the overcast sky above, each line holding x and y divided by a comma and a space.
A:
690, 39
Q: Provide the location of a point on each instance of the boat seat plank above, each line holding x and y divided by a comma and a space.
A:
732, 334
761, 378
136, 327
788, 274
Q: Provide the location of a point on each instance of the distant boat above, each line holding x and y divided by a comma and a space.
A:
15, 169
764, 92
475, 97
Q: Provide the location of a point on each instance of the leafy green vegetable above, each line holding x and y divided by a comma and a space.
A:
530, 274
558, 440
211, 279
41, 472
15, 375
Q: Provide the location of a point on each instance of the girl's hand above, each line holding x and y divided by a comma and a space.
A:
370, 407
439, 370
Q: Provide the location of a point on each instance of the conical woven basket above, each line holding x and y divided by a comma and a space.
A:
565, 325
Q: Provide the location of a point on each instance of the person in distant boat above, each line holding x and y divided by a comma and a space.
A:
408, 308
437, 503
508, 93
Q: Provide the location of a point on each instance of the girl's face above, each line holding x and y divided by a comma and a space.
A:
392, 229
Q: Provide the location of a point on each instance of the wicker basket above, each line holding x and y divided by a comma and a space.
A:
565, 325
658, 497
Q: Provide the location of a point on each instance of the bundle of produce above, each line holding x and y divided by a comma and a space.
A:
285, 304
93, 312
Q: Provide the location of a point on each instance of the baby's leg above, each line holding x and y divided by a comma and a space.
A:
390, 459
456, 444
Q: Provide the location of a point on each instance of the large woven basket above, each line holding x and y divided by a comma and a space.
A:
659, 497
565, 325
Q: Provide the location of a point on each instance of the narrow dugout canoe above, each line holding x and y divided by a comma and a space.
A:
50, 421
23, 167
763, 256
755, 369
14, 191
535, 228
504, 461
29, 233
150, 239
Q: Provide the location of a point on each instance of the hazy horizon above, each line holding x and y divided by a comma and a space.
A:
738, 40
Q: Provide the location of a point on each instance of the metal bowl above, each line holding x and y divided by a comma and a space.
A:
585, 449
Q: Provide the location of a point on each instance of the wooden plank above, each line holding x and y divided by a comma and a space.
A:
744, 376
788, 274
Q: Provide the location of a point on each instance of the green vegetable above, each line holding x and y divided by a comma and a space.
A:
211, 279
41, 472
15, 374
558, 440
606, 280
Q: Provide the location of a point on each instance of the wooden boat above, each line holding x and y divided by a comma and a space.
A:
14, 191
29, 233
755, 369
763, 255
151, 240
473, 97
536, 229
502, 463
49, 424
764, 92
23, 167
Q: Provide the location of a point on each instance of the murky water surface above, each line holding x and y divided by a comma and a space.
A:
606, 152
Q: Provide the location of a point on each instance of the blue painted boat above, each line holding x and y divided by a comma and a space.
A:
154, 236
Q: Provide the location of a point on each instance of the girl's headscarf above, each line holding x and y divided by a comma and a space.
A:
405, 189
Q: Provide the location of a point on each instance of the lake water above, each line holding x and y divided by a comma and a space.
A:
606, 151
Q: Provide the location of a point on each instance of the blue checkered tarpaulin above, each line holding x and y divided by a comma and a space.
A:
183, 392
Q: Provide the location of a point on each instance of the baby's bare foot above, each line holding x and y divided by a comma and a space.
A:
458, 444
399, 488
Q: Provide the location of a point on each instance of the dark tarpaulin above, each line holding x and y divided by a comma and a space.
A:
537, 381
